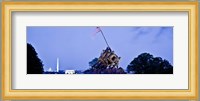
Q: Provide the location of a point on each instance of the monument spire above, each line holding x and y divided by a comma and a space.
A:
57, 66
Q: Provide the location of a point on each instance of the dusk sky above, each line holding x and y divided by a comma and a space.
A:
77, 46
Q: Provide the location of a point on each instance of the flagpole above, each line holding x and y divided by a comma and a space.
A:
104, 37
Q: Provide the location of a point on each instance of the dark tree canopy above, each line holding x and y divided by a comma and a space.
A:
145, 63
102, 70
93, 62
34, 64
105, 71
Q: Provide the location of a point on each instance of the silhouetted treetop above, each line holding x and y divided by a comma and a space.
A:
34, 64
145, 63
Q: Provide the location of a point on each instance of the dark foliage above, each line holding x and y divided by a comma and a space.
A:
93, 62
97, 68
145, 63
105, 71
34, 64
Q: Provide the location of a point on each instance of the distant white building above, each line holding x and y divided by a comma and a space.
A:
58, 71
49, 70
69, 71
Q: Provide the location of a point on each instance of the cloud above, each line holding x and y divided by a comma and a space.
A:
154, 33
165, 30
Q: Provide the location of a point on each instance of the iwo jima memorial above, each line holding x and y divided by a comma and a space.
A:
108, 58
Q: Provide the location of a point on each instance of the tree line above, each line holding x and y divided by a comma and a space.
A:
144, 63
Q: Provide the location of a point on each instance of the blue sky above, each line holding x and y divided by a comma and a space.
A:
76, 46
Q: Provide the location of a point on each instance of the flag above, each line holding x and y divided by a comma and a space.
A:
97, 30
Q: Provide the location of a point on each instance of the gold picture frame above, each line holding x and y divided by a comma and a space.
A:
9, 7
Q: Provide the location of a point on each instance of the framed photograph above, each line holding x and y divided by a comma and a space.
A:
100, 50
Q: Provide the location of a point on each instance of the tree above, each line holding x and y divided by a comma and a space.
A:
145, 63
111, 70
100, 69
34, 64
93, 62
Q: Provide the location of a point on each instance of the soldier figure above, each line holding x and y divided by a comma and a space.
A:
107, 59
